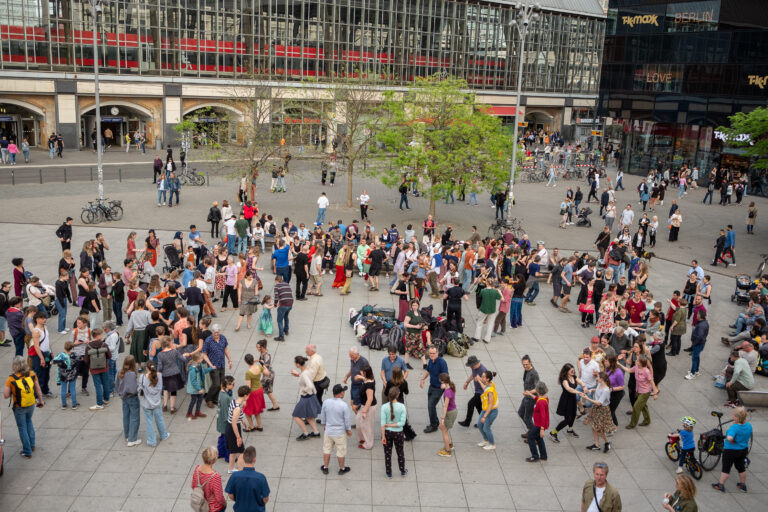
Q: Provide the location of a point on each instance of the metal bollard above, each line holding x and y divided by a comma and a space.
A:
91, 168
207, 180
41, 175
13, 177
65, 175
120, 174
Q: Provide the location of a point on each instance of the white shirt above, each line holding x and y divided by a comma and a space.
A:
317, 260
322, 202
44, 340
543, 256
364, 198
230, 225
210, 277
598, 496
588, 373
627, 217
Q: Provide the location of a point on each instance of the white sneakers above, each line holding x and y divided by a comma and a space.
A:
65, 331
679, 470
96, 407
489, 447
134, 443
691, 376
482, 444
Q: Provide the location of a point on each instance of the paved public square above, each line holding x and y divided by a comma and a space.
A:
82, 464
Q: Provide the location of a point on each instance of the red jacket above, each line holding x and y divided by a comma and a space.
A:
250, 211
541, 413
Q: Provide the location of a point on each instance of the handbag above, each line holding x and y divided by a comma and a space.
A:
261, 285
323, 384
120, 345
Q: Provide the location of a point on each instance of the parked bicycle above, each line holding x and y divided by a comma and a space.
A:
99, 210
498, 228
187, 177
711, 443
761, 266
673, 451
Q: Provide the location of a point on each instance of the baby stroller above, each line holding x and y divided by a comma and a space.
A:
583, 217
172, 259
48, 301
743, 285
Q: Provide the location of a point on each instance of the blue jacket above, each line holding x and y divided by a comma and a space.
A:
730, 239
173, 184
699, 334
196, 378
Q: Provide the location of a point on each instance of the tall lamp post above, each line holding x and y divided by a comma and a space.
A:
525, 15
95, 9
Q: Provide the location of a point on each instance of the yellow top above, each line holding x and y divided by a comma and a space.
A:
254, 378
484, 397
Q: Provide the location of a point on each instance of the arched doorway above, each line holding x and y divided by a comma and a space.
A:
212, 125
539, 121
117, 120
18, 122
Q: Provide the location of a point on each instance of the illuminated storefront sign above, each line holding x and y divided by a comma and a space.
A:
760, 81
648, 19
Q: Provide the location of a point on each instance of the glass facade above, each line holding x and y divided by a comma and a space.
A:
673, 71
289, 40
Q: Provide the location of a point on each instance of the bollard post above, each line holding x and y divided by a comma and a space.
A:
13, 177
91, 168
207, 179
41, 175
120, 174
65, 175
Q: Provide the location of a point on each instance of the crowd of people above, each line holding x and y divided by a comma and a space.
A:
172, 342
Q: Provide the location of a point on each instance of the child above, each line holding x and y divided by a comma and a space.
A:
449, 413
225, 398
196, 385
265, 319
67, 375
687, 443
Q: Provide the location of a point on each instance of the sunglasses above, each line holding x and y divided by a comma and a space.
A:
600, 465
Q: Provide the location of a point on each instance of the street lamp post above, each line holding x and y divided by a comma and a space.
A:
525, 14
95, 9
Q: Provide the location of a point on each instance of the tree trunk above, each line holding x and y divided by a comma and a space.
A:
350, 166
432, 206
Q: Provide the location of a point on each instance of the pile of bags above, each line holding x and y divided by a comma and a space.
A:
378, 329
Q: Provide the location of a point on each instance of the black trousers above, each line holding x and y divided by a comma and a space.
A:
616, 397
454, 315
526, 412
567, 422
231, 292
217, 375
363, 211
214, 229
319, 392
474, 403
396, 439
83, 369
675, 342
301, 286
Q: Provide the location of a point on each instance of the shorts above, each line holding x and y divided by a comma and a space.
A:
565, 290
316, 280
734, 458
3, 323
450, 418
340, 442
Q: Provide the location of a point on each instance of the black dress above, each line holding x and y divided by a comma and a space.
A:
566, 406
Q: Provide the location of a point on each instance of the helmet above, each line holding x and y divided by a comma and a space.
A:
688, 421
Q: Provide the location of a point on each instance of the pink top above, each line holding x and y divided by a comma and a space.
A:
506, 298
130, 251
12, 148
642, 380
231, 271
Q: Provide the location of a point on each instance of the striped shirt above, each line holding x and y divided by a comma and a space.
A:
283, 294
232, 406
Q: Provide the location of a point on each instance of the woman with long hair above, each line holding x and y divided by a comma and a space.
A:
414, 325
349, 262
168, 365
308, 407
449, 413
616, 377
255, 403
247, 296
599, 415
366, 411
490, 410
150, 390
231, 271
130, 246
151, 244
683, 497
566, 406
606, 311
67, 263
393, 417
644, 386
127, 387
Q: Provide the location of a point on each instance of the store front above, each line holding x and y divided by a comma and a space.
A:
18, 123
117, 121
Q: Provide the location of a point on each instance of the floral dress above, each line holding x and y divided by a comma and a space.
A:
605, 322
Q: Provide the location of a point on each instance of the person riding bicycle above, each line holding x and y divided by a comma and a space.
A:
687, 442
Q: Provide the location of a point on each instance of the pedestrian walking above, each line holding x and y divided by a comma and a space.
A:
490, 406
150, 388
337, 427
127, 386
393, 417
598, 494
23, 388
540, 424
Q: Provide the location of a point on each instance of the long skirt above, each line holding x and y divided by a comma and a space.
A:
599, 418
341, 277
365, 426
138, 342
255, 403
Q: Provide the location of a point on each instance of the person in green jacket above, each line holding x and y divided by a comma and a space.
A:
677, 328
225, 398
682, 499
196, 385
741, 380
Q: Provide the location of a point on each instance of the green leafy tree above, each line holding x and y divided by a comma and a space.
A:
750, 131
443, 139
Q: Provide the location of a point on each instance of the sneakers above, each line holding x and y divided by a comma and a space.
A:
679, 470
131, 444
444, 453
65, 331
731, 404
690, 376
324, 469
572, 433
463, 423
607, 447
344, 470
554, 437
74, 407
489, 447
482, 444
167, 435
230, 471
593, 447
96, 407
742, 487
404, 472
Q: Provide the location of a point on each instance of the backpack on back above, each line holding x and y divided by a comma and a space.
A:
98, 357
197, 500
23, 391
395, 338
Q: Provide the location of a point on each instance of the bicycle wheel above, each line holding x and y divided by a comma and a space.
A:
672, 452
86, 216
694, 467
760, 269
708, 460
116, 212
199, 180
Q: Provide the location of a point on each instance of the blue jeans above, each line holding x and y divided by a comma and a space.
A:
615, 273
154, 417
695, 357
23, 417
433, 398
285, 272
117, 309
194, 312
708, 194
161, 194
620, 184
62, 307
172, 193
242, 244
18, 342
282, 319
320, 216
71, 388
533, 291
450, 196
281, 183
100, 383
516, 312
552, 179
536, 443
131, 418
466, 278
590, 394
43, 373
473, 195
485, 427
109, 382
231, 243
354, 393
404, 199
52, 152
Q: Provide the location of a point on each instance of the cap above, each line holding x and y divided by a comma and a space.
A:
594, 339
472, 361
338, 388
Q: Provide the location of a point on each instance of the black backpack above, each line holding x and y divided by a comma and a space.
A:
272, 229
